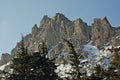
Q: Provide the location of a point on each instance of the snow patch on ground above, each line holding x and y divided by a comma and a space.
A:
3, 66
64, 70
96, 56
93, 57
91, 49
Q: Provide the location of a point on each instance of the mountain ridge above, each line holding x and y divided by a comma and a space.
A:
53, 30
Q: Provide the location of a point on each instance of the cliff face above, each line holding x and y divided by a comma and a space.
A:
101, 31
5, 58
54, 30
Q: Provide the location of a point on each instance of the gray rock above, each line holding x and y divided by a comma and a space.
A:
54, 30
101, 31
5, 57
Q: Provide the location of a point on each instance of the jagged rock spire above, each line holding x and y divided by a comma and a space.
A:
101, 31
52, 30
105, 21
35, 29
45, 20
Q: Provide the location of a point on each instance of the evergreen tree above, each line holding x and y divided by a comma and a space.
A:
74, 58
43, 68
20, 63
114, 69
32, 67
43, 49
99, 74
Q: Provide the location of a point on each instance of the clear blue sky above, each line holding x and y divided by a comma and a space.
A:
19, 16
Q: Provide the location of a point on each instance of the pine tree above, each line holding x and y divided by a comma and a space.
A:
44, 67
114, 69
43, 49
32, 67
99, 74
19, 63
74, 58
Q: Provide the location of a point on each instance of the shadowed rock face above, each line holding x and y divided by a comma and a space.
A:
101, 31
54, 30
5, 58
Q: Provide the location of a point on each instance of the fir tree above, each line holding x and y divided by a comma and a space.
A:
20, 63
74, 58
43, 68
114, 69
99, 74
43, 49
32, 67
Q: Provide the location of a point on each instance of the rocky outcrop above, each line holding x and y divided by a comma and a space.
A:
54, 30
116, 41
60, 27
81, 32
5, 58
101, 31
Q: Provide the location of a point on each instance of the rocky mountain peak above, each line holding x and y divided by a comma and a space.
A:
45, 20
81, 30
35, 28
78, 21
54, 29
45, 17
105, 19
101, 31
60, 17
106, 22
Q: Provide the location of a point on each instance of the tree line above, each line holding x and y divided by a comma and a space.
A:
37, 66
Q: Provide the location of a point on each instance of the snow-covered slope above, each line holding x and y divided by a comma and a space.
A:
93, 57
